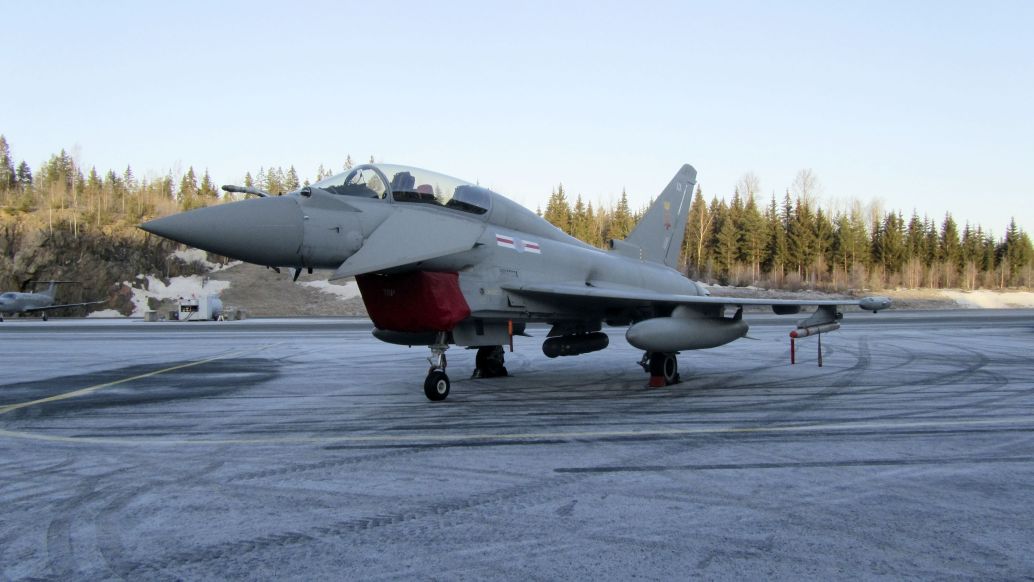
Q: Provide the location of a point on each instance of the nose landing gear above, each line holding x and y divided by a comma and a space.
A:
436, 385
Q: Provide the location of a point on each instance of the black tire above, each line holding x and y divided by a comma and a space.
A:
481, 357
656, 364
44, 317
665, 366
436, 386
671, 369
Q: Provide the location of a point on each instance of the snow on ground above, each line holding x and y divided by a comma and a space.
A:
346, 291
177, 287
200, 256
991, 299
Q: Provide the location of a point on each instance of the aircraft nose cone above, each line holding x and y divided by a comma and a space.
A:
265, 231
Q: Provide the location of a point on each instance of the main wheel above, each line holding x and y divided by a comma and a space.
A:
489, 362
665, 366
44, 317
436, 386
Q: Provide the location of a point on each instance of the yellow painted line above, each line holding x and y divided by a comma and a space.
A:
92, 389
795, 428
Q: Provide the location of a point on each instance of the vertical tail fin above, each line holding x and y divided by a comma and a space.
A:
51, 287
659, 234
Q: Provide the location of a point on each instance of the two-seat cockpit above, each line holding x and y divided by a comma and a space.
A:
408, 184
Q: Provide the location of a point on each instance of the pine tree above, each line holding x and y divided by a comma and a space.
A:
580, 220
594, 220
274, 180
889, 243
726, 242
698, 231
1016, 250
621, 219
753, 237
801, 238
950, 251
840, 247
822, 257
187, 193
558, 212
349, 164
207, 192
931, 243
8, 176
93, 182
24, 176
291, 181
778, 252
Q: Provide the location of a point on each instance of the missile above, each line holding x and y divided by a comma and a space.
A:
813, 330
573, 345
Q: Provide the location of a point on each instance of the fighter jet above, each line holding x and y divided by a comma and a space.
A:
442, 262
13, 302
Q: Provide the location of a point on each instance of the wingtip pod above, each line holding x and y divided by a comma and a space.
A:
875, 303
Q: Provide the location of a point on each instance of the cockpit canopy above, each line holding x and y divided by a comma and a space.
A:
408, 184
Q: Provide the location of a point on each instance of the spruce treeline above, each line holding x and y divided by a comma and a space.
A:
787, 242
794, 242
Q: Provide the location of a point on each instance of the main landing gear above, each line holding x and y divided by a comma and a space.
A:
488, 363
436, 385
663, 368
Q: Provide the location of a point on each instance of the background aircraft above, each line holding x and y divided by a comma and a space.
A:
442, 262
13, 302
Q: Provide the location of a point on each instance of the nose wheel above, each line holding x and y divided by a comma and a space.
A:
436, 385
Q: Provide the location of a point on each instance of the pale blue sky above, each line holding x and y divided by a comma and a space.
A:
926, 105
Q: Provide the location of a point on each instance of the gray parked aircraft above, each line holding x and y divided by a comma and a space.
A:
442, 262
12, 302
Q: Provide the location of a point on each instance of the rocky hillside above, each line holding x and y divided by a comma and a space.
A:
99, 261
262, 292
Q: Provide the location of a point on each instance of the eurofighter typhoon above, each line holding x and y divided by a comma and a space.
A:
443, 262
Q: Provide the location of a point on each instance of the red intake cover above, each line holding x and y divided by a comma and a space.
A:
419, 301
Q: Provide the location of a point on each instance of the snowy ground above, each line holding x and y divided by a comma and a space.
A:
991, 299
348, 290
303, 449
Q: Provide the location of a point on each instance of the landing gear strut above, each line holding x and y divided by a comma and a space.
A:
436, 385
488, 363
662, 367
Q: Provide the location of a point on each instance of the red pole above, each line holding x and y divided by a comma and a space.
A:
820, 350
793, 354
